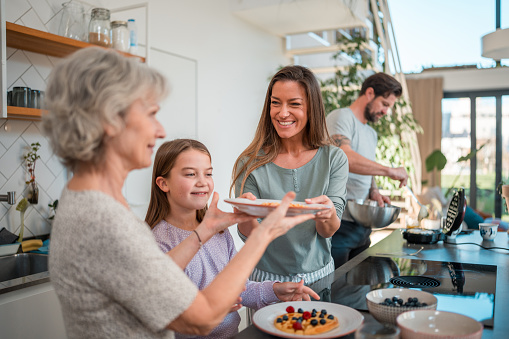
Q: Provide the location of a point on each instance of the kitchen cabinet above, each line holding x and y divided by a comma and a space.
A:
32, 312
33, 40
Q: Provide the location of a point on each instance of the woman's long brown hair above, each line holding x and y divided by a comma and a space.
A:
266, 137
165, 159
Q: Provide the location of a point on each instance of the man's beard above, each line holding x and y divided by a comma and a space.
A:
371, 116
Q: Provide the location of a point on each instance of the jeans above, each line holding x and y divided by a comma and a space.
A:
349, 240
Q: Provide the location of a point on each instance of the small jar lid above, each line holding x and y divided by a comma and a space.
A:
118, 23
101, 13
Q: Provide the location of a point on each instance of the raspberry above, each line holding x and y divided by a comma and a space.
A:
290, 309
306, 315
297, 326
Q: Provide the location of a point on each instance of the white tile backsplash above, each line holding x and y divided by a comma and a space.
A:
13, 158
16, 129
43, 9
41, 63
32, 20
17, 65
14, 9
29, 69
33, 79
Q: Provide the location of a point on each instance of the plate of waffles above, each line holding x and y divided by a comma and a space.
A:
262, 207
317, 319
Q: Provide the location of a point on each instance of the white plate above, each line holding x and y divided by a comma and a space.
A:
349, 319
256, 207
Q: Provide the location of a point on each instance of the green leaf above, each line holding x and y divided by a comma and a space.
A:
471, 154
436, 160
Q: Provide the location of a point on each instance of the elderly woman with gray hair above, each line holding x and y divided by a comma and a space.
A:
111, 278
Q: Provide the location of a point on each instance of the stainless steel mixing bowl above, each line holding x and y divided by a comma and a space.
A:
369, 214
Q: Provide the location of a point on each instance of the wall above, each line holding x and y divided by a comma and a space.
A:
229, 60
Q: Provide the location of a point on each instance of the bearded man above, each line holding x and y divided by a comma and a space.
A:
349, 129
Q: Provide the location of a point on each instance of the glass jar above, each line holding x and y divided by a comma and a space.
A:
99, 29
72, 22
120, 35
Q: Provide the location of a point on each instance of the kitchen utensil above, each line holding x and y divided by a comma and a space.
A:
22, 207
369, 214
421, 236
387, 313
423, 211
455, 212
403, 253
429, 324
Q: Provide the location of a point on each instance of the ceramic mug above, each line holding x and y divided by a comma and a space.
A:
488, 231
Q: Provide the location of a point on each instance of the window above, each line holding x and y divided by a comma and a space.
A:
470, 120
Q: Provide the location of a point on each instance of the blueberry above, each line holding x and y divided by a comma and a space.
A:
424, 304
314, 322
295, 318
400, 301
300, 319
395, 299
324, 311
321, 315
410, 300
314, 310
285, 317
388, 301
300, 310
323, 321
279, 320
331, 317
313, 314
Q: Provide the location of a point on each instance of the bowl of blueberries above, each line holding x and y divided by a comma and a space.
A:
386, 304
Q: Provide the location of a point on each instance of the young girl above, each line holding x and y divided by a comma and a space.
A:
181, 186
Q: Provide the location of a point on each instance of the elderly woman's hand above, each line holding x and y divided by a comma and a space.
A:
216, 220
292, 291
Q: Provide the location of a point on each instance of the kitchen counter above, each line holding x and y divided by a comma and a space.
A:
453, 251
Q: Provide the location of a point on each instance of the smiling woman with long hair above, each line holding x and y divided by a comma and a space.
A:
292, 150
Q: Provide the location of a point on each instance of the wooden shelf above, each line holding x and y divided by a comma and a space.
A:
24, 113
33, 40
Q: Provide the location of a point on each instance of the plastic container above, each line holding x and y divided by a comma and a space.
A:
99, 29
133, 36
120, 35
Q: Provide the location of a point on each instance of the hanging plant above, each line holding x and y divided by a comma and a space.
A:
31, 160
343, 89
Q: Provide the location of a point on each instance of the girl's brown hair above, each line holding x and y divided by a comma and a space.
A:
266, 137
165, 159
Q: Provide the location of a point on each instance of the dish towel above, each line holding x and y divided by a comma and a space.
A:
6, 237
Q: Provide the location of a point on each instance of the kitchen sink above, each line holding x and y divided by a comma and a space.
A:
23, 265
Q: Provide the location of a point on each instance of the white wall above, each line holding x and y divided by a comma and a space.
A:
233, 62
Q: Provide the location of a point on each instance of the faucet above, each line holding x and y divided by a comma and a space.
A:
10, 197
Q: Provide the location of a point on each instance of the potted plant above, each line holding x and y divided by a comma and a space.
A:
31, 160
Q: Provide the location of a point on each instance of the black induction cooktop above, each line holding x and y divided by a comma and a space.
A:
463, 288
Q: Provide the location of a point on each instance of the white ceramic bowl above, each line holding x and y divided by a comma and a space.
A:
388, 314
429, 324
